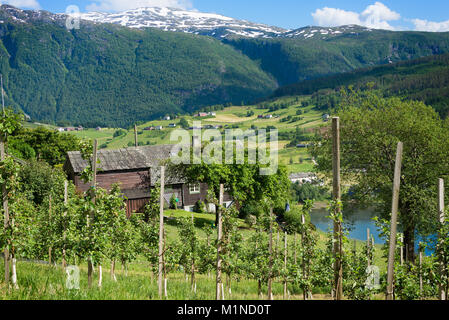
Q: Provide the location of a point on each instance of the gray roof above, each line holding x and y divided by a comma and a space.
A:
124, 159
302, 175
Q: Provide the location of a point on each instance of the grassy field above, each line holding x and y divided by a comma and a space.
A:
296, 160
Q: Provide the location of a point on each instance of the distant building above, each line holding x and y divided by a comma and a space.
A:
60, 129
98, 128
159, 128
148, 128
270, 116
213, 114
202, 114
172, 125
303, 177
69, 129
80, 128
326, 117
167, 118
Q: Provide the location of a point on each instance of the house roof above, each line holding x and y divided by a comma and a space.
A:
302, 175
123, 159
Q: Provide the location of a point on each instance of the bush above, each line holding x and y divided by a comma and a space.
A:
173, 202
251, 208
250, 220
200, 207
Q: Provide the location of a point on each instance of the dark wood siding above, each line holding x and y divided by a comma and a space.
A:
136, 205
127, 180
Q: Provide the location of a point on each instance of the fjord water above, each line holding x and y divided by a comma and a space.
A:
357, 222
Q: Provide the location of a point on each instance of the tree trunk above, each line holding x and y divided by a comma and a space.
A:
409, 244
89, 273
113, 277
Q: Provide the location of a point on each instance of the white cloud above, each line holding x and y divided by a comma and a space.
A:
376, 16
121, 5
424, 25
331, 17
26, 4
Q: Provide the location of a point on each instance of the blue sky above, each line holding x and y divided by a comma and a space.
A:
430, 15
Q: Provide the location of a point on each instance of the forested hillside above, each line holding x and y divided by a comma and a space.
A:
112, 76
293, 60
108, 75
425, 79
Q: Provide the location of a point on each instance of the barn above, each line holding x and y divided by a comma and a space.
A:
137, 170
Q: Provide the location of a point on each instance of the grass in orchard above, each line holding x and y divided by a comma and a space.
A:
44, 282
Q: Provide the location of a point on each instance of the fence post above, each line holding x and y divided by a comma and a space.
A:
394, 219
135, 136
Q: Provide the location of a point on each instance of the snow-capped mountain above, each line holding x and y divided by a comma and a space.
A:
171, 19
218, 26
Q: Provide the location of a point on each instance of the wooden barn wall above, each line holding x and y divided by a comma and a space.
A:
136, 205
127, 180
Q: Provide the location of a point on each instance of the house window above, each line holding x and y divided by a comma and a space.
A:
194, 188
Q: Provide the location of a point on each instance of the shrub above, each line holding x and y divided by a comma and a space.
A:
200, 207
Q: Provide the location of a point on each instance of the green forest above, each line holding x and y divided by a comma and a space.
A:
425, 79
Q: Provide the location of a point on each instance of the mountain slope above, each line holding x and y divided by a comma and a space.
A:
109, 75
425, 79
294, 60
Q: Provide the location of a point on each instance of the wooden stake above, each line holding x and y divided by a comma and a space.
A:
394, 219
66, 197
4, 192
219, 284
285, 264
91, 216
368, 246
161, 231
5, 210
135, 136
338, 250
49, 218
420, 274
270, 262
442, 287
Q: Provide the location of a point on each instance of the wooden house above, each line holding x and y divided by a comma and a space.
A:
137, 170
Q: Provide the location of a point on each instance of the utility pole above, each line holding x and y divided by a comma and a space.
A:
394, 220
